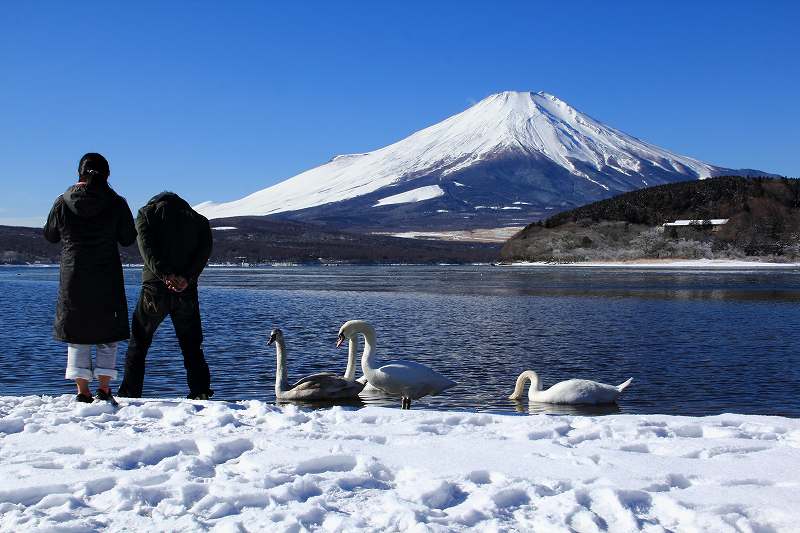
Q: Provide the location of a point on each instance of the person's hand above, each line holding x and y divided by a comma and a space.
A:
180, 284
169, 281
175, 283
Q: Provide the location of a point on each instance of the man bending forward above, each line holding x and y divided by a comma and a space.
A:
175, 243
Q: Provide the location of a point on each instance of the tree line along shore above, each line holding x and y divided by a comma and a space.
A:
262, 240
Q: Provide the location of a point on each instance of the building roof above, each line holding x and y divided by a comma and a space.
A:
709, 221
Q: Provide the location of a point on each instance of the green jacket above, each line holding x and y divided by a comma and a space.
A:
173, 238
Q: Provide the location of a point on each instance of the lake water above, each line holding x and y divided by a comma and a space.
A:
696, 342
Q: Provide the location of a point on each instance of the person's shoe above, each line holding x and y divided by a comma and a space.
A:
123, 392
105, 396
84, 398
199, 396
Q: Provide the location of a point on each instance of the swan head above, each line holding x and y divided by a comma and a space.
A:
350, 329
275, 336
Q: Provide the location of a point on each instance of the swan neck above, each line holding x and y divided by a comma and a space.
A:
519, 386
368, 357
281, 378
352, 349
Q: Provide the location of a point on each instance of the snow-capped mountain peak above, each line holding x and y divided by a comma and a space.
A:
543, 123
554, 148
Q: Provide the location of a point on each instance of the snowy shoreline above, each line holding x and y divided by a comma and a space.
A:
729, 264
180, 465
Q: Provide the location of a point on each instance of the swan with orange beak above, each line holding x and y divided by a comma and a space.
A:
407, 379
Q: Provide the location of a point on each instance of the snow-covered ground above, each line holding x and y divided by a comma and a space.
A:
472, 235
172, 465
668, 263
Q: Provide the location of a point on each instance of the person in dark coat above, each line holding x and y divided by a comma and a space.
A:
175, 243
91, 220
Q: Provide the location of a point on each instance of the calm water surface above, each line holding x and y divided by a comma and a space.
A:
696, 342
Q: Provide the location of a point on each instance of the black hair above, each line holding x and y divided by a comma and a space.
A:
93, 168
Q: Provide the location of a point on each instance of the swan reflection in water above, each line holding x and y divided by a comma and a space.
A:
532, 408
539, 408
324, 404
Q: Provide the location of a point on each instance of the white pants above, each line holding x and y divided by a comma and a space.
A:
79, 361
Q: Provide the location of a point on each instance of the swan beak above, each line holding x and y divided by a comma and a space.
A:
271, 340
339, 340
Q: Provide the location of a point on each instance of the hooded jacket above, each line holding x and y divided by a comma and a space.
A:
90, 221
173, 239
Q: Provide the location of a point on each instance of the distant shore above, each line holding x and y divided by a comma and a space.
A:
664, 263
732, 264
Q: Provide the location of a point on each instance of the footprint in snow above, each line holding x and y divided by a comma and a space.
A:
330, 463
444, 496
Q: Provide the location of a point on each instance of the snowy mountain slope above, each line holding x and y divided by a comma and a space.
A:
528, 148
414, 195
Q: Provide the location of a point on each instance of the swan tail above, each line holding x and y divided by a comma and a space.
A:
443, 385
622, 386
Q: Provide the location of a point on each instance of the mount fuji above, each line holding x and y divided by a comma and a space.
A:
512, 158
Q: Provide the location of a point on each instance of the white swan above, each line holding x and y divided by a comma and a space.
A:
406, 379
368, 387
350, 371
571, 391
316, 387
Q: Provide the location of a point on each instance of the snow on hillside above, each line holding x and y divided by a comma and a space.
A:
415, 195
742, 266
179, 465
533, 125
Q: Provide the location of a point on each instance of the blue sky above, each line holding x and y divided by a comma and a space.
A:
216, 100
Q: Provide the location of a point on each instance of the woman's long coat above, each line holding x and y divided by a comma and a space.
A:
91, 220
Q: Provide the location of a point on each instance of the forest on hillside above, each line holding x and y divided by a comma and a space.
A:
763, 220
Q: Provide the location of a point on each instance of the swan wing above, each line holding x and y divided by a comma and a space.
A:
368, 387
409, 378
324, 386
312, 377
578, 391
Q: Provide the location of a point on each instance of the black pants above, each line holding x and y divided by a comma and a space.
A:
155, 303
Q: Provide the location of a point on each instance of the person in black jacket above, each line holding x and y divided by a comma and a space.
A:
175, 243
90, 219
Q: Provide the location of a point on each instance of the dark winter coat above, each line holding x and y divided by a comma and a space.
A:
90, 220
173, 239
